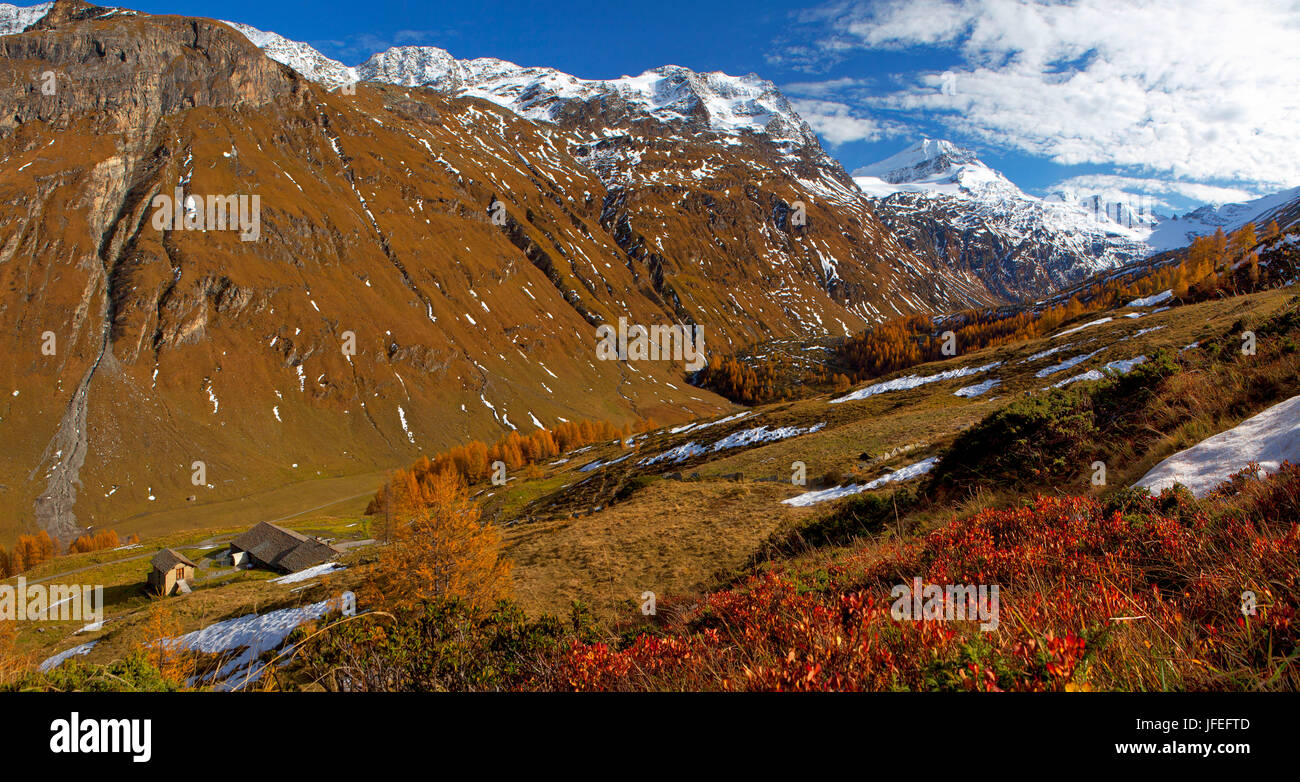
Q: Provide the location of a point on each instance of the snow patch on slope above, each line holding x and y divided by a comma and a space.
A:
55, 661
1267, 439
912, 381
247, 638
897, 476
745, 437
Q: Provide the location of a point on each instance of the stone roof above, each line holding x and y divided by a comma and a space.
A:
169, 558
282, 548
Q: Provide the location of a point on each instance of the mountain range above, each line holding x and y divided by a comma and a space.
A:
437, 242
937, 197
466, 252
947, 205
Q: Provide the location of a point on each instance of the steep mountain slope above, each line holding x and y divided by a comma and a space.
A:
467, 252
179, 346
1283, 207
673, 141
950, 207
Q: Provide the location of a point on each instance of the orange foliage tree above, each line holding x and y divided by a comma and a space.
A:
97, 542
440, 547
472, 462
29, 551
739, 381
155, 637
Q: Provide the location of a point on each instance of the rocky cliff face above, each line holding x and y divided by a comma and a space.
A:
671, 133
465, 253
85, 91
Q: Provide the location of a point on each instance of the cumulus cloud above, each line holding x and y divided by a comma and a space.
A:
836, 122
1188, 89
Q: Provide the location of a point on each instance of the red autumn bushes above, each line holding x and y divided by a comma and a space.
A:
1131, 593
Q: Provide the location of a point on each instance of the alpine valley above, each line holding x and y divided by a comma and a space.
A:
470, 242
610, 384
468, 224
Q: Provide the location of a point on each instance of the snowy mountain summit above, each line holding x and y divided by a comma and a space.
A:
931, 166
727, 104
301, 57
15, 19
1284, 207
945, 202
695, 106
714, 101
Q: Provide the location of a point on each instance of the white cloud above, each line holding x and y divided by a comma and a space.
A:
836, 122
817, 89
1161, 189
1191, 89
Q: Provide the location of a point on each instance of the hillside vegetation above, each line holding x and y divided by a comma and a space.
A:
752, 593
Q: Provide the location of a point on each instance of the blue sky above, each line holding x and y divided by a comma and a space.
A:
1176, 99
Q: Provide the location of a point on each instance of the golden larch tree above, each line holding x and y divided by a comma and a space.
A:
440, 548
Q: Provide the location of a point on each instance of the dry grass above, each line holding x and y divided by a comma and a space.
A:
670, 538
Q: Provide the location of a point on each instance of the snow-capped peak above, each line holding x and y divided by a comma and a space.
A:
720, 102
1180, 231
728, 104
14, 19
302, 58
932, 166
920, 161
936, 194
413, 66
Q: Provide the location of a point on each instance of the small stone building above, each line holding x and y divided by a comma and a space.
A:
276, 548
171, 572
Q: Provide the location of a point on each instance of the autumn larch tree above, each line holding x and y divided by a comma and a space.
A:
440, 549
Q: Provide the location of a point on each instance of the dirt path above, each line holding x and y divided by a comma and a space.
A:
90, 567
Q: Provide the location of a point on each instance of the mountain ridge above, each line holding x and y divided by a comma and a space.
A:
947, 205
467, 251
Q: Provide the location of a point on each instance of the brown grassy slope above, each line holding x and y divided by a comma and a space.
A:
678, 538
210, 313
375, 221
680, 526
